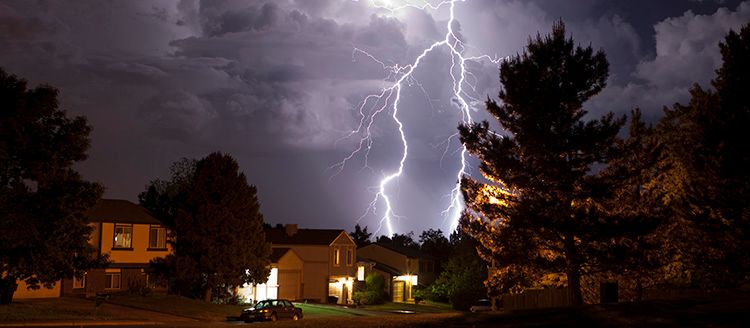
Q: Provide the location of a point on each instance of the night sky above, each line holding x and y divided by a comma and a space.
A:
277, 84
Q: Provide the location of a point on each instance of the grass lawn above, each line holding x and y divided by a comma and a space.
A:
424, 307
314, 311
179, 306
57, 309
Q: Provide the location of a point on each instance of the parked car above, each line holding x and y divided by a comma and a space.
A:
271, 310
481, 305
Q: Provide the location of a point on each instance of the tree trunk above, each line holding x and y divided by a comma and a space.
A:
574, 271
7, 289
207, 295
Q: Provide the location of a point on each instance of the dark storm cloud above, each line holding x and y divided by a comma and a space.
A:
276, 84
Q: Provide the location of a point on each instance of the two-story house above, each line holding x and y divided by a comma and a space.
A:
131, 237
404, 268
308, 264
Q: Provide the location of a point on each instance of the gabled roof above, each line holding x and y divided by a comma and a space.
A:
303, 236
278, 253
120, 211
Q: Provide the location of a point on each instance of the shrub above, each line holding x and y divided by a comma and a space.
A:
368, 298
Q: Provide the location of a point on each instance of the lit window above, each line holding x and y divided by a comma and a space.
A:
79, 282
123, 236
157, 237
336, 256
361, 273
349, 257
112, 280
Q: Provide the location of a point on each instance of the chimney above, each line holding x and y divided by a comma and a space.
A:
291, 229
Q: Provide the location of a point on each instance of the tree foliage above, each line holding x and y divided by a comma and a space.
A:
360, 236
44, 235
541, 210
433, 243
703, 174
399, 240
217, 225
463, 272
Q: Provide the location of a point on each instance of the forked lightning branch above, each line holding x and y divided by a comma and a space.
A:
389, 98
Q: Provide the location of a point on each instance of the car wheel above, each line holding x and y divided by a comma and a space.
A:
274, 317
295, 317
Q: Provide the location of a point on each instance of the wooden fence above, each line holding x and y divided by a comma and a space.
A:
537, 298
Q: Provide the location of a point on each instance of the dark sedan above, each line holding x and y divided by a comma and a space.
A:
271, 310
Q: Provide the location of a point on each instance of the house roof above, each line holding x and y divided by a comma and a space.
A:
278, 253
412, 253
387, 269
120, 211
303, 236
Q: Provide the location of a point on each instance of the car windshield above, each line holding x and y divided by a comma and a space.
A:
262, 305
483, 303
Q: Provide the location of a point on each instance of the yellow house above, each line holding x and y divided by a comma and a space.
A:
308, 264
404, 268
130, 235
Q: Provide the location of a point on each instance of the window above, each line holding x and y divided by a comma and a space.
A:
361, 273
349, 256
112, 280
123, 236
157, 238
79, 282
336, 256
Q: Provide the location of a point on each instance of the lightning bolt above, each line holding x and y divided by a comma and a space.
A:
376, 104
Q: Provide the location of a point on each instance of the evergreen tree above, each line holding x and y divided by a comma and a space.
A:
360, 236
433, 243
217, 227
44, 235
542, 194
704, 173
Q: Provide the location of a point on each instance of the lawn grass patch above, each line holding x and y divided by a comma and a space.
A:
55, 309
180, 306
312, 310
427, 307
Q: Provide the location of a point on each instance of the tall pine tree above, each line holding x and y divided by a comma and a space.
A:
539, 209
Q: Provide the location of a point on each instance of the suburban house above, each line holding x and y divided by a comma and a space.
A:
308, 264
404, 268
130, 235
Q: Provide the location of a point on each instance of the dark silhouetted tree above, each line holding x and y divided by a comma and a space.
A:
44, 235
461, 281
540, 207
704, 173
399, 241
217, 226
360, 236
433, 243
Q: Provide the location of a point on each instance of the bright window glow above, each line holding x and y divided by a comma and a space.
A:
408, 278
123, 236
260, 292
361, 273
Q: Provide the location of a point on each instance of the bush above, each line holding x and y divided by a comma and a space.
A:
368, 298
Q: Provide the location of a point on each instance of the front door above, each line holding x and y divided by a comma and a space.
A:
398, 291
